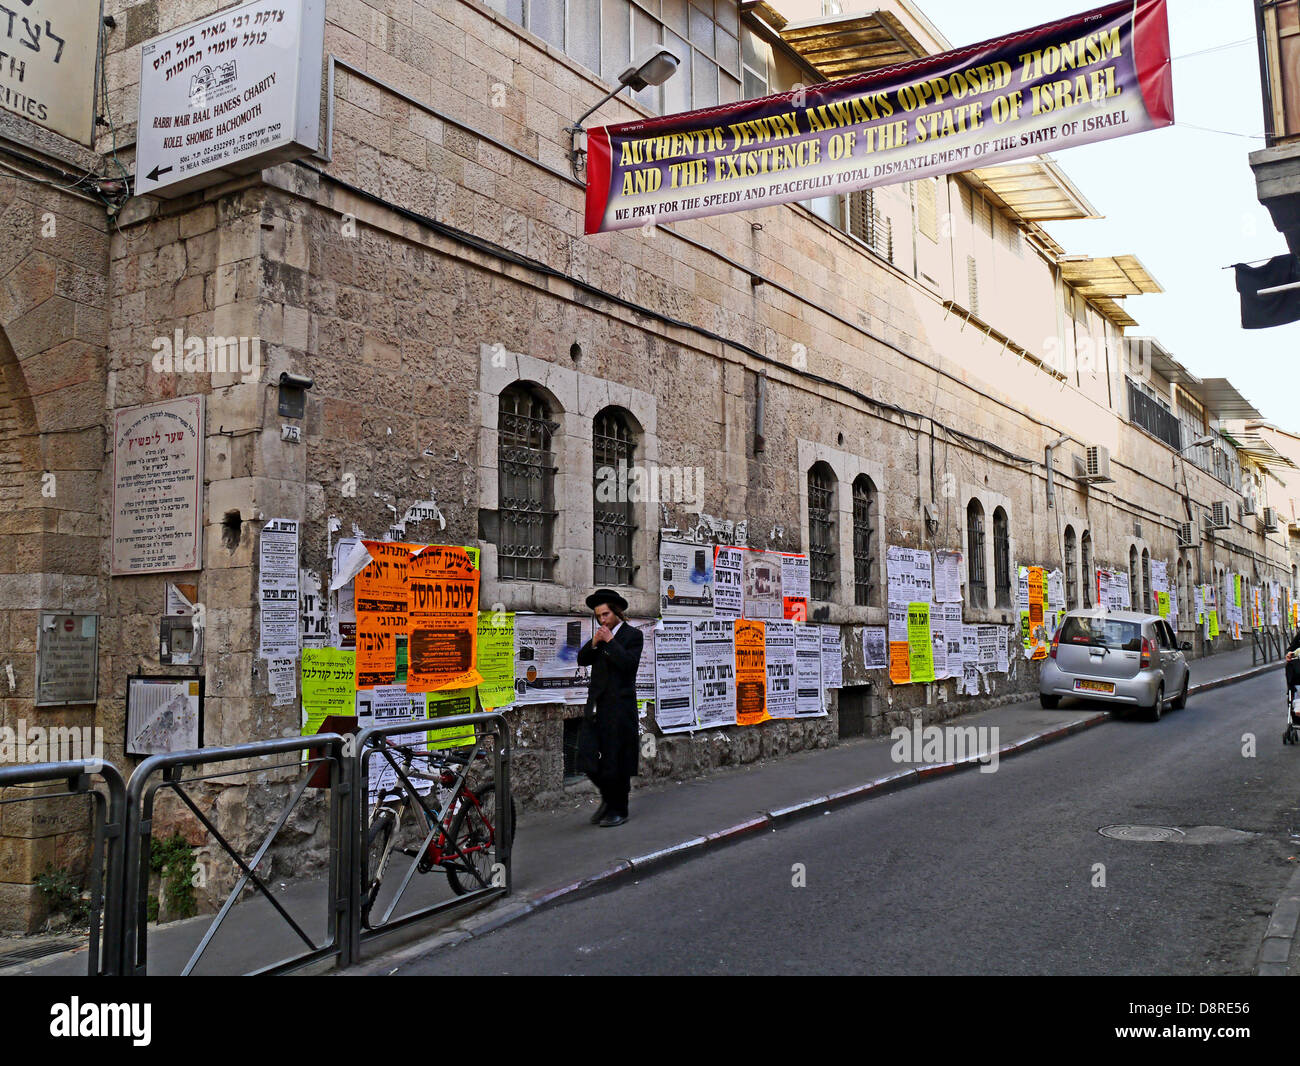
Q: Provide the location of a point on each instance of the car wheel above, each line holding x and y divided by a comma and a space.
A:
1181, 702
1154, 712
1049, 703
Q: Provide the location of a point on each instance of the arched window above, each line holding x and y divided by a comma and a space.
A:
864, 545
1146, 582
1071, 574
1181, 587
613, 521
823, 559
1134, 586
1001, 558
526, 490
978, 584
1088, 580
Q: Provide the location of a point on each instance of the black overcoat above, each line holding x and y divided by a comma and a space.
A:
1293, 667
612, 694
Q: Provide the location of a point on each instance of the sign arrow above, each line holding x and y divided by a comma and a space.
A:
153, 174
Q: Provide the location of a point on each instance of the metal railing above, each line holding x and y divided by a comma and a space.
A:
107, 860
142, 795
490, 732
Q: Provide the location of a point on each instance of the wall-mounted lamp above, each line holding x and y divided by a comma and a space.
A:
654, 69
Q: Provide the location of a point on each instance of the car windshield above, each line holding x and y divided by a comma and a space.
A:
1102, 633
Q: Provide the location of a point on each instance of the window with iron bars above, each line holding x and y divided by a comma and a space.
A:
526, 472
821, 531
1071, 579
1001, 557
614, 523
1154, 417
1146, 582
976, 580
864, 500
1134, 591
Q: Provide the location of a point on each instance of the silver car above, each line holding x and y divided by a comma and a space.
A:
1117, 656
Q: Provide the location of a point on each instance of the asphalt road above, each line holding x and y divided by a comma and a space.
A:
974, 873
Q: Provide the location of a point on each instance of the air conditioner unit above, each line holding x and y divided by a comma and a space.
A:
1188, 534
1248, 506
1096, 463
1270, 519
1222, 517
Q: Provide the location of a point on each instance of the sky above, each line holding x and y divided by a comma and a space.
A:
1181, 199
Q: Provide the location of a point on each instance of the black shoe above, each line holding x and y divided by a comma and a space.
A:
612, 819
600, 813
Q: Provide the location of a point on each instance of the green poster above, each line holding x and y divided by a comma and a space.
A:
1236, 590
1214, 624
496, 659
920, 650
444, 705
1162, 604
329, 686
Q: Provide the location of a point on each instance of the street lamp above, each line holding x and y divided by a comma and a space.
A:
1209, 438
655, 69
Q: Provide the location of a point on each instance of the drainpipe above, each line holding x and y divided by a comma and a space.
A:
1047, 459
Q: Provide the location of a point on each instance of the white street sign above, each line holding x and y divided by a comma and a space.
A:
229, 95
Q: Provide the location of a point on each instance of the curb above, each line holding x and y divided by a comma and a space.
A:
662, 858
1275, 949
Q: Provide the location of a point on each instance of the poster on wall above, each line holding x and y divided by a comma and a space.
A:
685, 580
751, 672
729, 582
645, 671
158, 487
381, 607
442, 619
796, 586
781, 695
546, 658
277, 580
163, 714
496, 659
832, 657
329, 686
763, 594
674, 676
875, 648
809, 702
67, 659
713, 651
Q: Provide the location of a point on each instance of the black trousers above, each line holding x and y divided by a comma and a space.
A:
614, 789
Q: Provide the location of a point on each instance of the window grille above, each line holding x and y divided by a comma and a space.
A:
1001, 557
1071, 578
526, 471
978, 585
614, 522
864, 500
821, 527
1085, 552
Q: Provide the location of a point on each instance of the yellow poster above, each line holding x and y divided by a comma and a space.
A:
329, 684
1214, 624
442, 591
444, 705
920, 649
496, 659
751, 673
1162, 604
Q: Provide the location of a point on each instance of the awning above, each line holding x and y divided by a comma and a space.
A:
1114, 276
1162, 362
1036, 190
1261, 452
1221, 399
838, 46
1113, 311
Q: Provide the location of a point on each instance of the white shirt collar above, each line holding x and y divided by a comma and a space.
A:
616, 628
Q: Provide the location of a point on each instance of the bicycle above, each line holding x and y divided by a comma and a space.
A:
459, 824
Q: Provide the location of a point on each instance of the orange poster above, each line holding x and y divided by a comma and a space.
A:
751, 673
1037, 630
442, 585
381, 607
900, 666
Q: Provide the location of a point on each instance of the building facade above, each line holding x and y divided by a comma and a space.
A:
922, 365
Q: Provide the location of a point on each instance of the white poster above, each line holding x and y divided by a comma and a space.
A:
779, 644
713, 650
922, 567
763, 594
900, 572
875, 653
546, 658
947, 577
808, 672
277, 579
674, 676
832, 657
343, 617
645, 671
989, 639
952, 629
158, 486
796, 586
729, 583
897, 613
1004, 634
938, 645
312, 620
282, 680
685, 580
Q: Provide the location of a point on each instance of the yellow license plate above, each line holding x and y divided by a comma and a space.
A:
1107, 687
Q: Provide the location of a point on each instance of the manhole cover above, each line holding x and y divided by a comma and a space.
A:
1145, 834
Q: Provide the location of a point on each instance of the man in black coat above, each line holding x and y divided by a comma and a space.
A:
613, 653
1293, 664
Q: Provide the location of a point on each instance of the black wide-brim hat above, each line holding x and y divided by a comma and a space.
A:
606, 596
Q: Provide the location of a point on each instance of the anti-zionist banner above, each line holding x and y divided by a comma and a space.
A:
442, 590
1098, 75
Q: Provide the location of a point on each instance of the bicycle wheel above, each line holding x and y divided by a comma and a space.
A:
379, 838
474, 834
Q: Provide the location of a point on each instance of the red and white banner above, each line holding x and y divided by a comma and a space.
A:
1102, 74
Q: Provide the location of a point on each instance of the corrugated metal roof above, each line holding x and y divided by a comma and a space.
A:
1261, 451
1113, 311
1113, 276
1222, 400
1036, 190
839, 45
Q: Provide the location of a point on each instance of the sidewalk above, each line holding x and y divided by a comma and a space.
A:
559, 855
